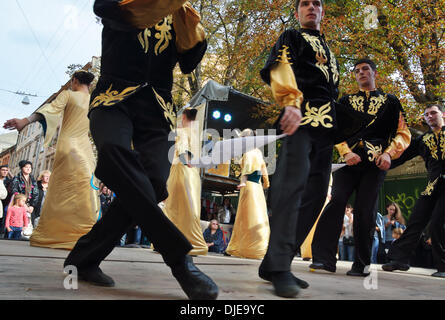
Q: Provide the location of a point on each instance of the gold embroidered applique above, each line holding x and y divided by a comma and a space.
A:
430, 142
317, 116
163, 35
143, 38
169, 112
442, 143
375, 104
373, 151
357, 103
335, 73
320, 53
111, 97
284, 56
429, 188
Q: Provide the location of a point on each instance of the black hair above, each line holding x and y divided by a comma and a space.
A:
367, 61
84, 77
439, 106
24, 163
191, 113
4, 166
297, 3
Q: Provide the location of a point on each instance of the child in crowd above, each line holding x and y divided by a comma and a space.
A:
397, 233
16, 218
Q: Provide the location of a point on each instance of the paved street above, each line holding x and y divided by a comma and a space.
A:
36, 273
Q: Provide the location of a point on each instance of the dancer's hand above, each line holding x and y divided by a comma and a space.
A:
291, 119
15, 123
383, 161
352, 159
240, 186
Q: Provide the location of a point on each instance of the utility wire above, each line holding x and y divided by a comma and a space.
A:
35, 37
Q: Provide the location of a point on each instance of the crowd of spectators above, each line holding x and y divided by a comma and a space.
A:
19, 215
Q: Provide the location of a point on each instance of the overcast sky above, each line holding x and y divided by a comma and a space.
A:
39, 39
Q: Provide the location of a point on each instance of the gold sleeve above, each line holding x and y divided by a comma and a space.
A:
401, 141
143, 14
188, 28
52, 113
283, 84
343, 148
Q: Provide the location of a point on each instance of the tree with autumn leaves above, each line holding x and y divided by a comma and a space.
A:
404, 37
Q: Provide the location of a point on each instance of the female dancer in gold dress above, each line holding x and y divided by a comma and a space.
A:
183, 205
250, 235
71, 205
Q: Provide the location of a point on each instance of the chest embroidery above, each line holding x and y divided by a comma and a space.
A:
357, 103
430, 142
163, 35
320, 53
375, 104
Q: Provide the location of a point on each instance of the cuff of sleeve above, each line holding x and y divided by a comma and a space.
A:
343, 148
291, 100
392, 153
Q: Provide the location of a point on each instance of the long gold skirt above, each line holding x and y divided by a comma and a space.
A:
71, 204
183, 205
251, 231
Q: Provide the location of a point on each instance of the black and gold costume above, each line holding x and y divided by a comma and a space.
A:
386, 132
430, 206
131, 116
303, 72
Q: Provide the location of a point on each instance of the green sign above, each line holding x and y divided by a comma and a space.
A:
403, 190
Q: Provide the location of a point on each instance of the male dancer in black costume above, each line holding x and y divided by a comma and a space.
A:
430, 208
368, 156
303, 74
142, 40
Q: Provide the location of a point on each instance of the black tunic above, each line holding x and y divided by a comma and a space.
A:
384, 110
432, 149
139, 60
316, 73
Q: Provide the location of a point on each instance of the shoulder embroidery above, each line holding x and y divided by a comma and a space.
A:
284, 56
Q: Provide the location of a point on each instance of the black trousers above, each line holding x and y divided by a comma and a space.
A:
366, 179
428, 208
138, 177
298, 192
